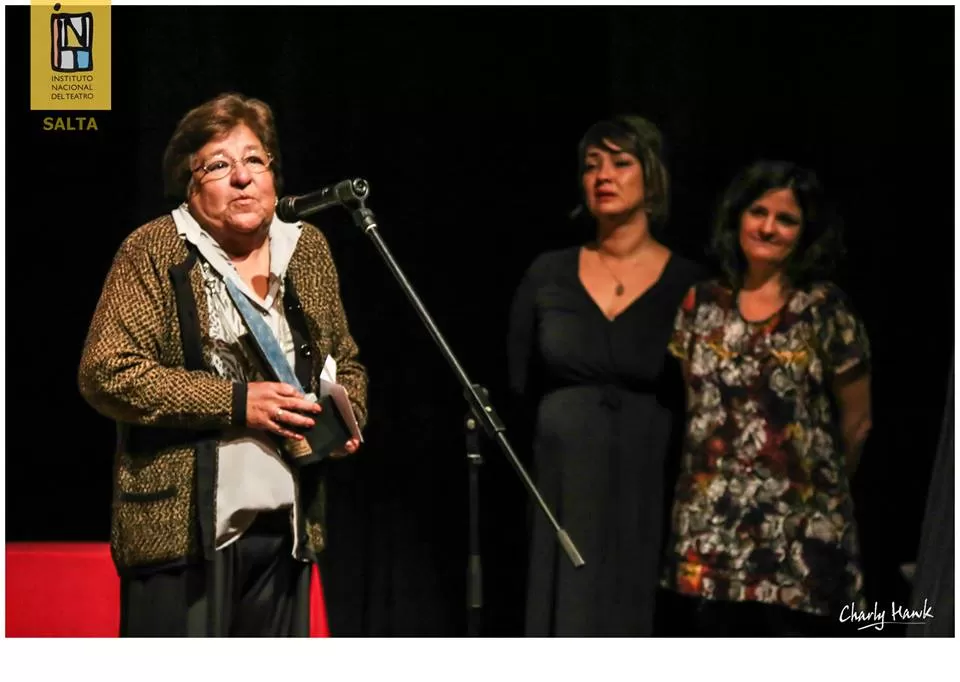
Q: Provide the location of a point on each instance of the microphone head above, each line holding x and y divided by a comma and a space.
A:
347, 193
285, 210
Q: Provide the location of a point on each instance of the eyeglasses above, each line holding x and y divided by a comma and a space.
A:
221, 166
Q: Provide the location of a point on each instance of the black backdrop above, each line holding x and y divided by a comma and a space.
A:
465, 121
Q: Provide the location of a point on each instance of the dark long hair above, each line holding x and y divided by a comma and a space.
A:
820, 244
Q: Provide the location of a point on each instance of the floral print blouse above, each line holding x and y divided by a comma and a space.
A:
763, 510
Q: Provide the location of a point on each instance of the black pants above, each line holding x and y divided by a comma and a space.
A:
254, 588
683, 616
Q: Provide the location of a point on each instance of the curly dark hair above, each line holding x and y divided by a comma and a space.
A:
640, 137
820, 244
210, 120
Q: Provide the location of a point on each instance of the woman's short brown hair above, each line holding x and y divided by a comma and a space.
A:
209, 121
642, 139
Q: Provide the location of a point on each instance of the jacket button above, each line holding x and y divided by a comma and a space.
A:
305, 350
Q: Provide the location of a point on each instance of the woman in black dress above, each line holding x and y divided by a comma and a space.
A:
587, 353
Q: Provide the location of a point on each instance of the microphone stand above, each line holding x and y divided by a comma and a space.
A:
480, 412
474, 565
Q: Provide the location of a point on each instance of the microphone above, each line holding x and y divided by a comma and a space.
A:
292, 209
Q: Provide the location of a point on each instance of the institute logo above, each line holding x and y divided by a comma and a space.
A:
71, 41
70, 56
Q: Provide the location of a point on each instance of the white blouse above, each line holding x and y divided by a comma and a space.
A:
252, 475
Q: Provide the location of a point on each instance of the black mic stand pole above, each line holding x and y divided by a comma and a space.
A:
480, 409
471, 427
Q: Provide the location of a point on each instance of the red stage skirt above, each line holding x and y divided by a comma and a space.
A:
71, 589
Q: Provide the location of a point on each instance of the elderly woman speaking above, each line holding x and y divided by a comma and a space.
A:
215, 518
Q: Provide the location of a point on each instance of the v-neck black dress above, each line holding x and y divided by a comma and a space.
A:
605, 402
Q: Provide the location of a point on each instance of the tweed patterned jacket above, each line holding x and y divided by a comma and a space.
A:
143, 366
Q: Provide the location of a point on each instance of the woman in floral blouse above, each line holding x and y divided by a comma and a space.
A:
777, 367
